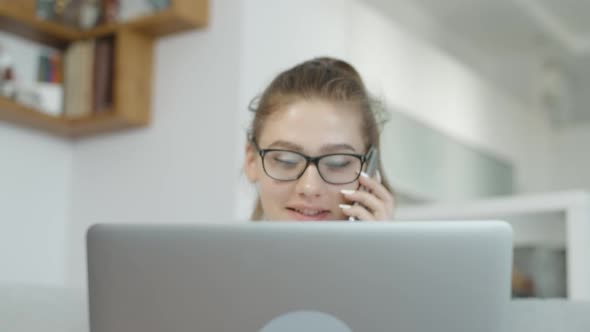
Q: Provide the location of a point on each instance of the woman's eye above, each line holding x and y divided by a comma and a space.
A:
285, 161
338, 163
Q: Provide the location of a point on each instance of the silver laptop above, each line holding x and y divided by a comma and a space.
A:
287, 277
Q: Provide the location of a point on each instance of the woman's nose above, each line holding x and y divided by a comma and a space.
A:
310, 182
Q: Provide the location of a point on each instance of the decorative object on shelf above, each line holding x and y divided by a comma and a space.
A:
45, 97
109, 11
59, 6
68, 12
7, 87
130, 9
159, 4
89, 14
75, 13
45, 9
28, 97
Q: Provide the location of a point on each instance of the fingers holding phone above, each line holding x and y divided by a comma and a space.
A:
374, 202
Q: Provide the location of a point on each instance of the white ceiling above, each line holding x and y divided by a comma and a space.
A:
535, 50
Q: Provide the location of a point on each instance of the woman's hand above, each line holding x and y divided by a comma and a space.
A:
375, 202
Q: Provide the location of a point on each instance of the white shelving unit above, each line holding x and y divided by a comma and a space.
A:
559, 220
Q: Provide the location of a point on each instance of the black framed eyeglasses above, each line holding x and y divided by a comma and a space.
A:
334, 168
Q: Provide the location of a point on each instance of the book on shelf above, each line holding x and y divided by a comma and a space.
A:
88, 77
103, 73
75, 59
45, 94
49, 68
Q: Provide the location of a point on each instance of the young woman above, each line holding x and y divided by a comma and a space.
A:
308, 145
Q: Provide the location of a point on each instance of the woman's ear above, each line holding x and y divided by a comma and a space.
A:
250, 163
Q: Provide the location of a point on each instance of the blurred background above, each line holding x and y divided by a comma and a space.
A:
488, 113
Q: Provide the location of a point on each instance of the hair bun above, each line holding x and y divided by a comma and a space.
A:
340, 65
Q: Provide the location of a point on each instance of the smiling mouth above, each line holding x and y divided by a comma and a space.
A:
309, 214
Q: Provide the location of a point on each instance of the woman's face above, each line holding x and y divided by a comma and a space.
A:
313, 128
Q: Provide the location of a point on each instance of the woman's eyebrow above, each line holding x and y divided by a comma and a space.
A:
331, 148
286, 145
328, 148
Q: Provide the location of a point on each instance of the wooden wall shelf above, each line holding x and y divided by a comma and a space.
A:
104, 121
133, 60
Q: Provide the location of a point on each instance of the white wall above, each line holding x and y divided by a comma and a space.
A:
406, 73
425, 83
30, 308
35, 178
182, 168
572, 158
275, 36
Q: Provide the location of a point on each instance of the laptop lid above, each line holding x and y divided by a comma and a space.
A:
271, 277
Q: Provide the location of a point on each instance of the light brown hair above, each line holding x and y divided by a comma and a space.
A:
322, 78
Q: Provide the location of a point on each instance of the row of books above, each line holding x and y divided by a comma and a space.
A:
88, 77
49, 69
89, 13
